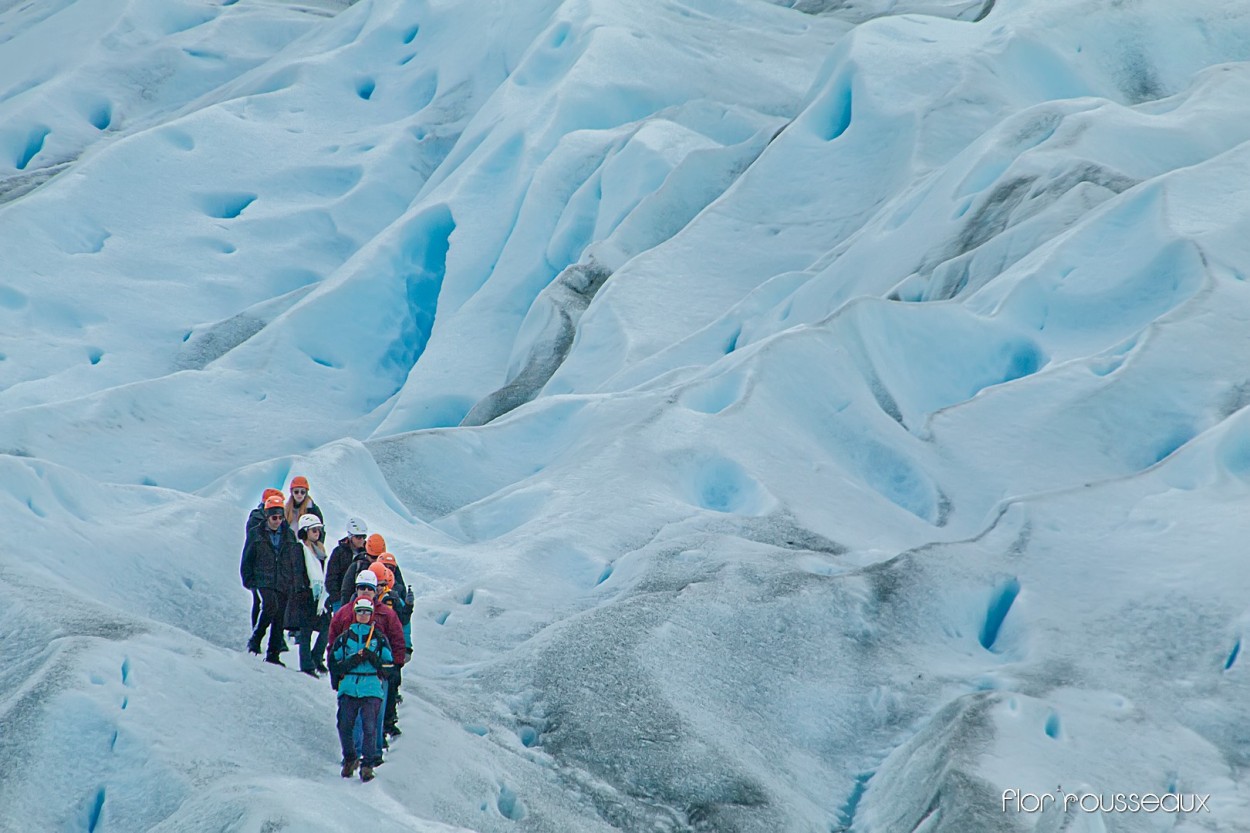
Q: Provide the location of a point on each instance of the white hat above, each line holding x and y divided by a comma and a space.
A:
363, 604
355, 526
367, 578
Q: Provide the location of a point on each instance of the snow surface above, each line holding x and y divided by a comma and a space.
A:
813, 415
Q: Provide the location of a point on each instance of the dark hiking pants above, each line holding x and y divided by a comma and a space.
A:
272, 609
367, 709
310, 658
390, 716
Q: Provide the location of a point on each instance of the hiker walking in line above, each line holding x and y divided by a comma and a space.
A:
402, 603
375, 545
300, 503
357, 657
403, 600
389, 594
366, 587
268, 554
387, 559
305, 608
256, 518
348, 549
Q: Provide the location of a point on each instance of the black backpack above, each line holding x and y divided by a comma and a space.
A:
341, 668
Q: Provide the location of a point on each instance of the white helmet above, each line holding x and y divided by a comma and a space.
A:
355, 526
363, 604
309, 520
366, 578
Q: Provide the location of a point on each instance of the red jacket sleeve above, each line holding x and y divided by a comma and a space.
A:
394, 633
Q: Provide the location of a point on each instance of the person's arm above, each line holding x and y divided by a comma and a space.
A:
316, 576
332, 665
307, 568
401, 589
247, 564
347, 588
337, 626
334, 574
293, 577
255, 518
395, 635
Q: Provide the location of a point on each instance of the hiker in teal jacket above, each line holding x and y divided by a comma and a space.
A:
357, 658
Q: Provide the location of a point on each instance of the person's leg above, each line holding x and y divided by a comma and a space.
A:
371, 708
277, 613
349, 708
281, 612
263, 618
378, 734
302, 637
358, 730
319, 648
390, 717
255, 610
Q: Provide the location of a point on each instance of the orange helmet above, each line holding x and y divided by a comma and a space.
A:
385, 577
375, 545
274, 502
299, 482
268, 493
387, 559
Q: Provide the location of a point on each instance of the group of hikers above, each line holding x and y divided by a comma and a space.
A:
353, 598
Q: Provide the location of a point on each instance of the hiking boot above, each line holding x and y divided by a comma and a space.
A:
349, 769
253, 647
321, 668
312, 672
275, 660
366, 773
392, 730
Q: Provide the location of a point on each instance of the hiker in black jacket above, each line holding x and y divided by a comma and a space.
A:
255, 518
269, 555
349, 547
375, 545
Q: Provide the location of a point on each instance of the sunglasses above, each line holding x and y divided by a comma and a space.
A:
274, 513
368, 587
299, 491
363, 611
358, 537
314, 529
